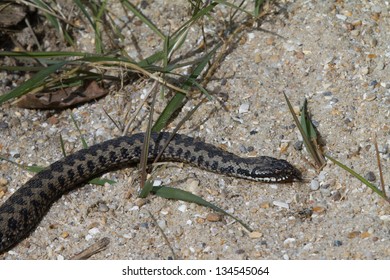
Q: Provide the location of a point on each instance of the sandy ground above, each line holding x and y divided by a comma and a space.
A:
336, 54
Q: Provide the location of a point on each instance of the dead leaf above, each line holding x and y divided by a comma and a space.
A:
11, 14
62, 98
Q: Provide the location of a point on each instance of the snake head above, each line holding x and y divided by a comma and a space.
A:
273, 170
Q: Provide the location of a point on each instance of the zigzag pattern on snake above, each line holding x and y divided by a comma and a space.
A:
23, 210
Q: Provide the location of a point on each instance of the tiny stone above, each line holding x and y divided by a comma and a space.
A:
314, 185
93, 231
364, 71
353, 234
144, 225
385, 218
240, 251
370, 176
298, 145
289, 241
383, 149
255, 235
341, 17
3, 182
321, 176
214, 217
373, 83
281, 204
140, 202
244, 108
327, 93
162, 224
3, 125
337, 243
103, 207
182, 208
336, 196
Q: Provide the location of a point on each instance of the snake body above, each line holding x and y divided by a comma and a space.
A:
23, 210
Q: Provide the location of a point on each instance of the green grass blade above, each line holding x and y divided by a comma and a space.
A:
306, 140
359, 177
177, 194
43, 54
36, 81
177, 100
147, 188
306, 123
144, 19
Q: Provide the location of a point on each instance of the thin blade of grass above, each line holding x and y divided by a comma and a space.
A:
36, 81
94, 24
359, 177
53, 20
306, 140
306, 123
83, 142
378, 161
177, 194
164, 235
177, 100
143, 18
160, 55
145, 148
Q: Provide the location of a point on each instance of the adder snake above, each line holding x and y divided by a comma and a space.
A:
22, 211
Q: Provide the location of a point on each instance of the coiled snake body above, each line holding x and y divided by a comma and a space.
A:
24, 209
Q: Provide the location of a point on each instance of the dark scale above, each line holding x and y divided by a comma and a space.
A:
179, 152
124, 153
102, 160
70, 174
13, 224
80, 170
91, 166
113, 156
61, 180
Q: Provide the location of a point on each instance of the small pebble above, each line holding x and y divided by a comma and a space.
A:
353, 234
93, 231
255, 235
383, 149
336, 196
244, 108
281, 204
214, 217
385, 218
103, 207
182, 208
314, 185
337, 243
3, 125
341, 17
162, 224
298, 145
370, 176
3, 182
289, 241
